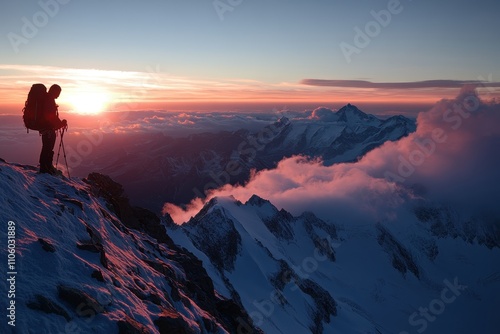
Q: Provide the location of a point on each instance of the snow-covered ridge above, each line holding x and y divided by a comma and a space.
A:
300, 274
251, 250
88, 262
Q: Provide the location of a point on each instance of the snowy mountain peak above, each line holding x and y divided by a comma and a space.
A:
257, 201
214, 204
283, 120
351, 114
253, 251
400, 120
217, 236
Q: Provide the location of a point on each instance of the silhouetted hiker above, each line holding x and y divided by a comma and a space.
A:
51, 123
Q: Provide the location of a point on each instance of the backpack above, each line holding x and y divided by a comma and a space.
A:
33, 108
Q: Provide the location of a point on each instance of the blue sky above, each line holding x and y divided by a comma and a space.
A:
271, 42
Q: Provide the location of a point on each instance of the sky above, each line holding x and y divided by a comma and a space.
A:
227, 54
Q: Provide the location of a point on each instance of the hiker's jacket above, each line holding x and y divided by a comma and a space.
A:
51, 119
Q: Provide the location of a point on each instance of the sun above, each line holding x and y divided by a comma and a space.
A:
87, 102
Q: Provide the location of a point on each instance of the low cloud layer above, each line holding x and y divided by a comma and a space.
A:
183, 124
323, 114
451, 158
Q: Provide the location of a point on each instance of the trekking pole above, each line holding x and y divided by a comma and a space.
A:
64, 153
60, 144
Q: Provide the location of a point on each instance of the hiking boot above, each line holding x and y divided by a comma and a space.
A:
49, 170
54, 171
44, 169
46, 162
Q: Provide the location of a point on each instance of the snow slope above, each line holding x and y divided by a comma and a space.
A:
87, 262
304, 275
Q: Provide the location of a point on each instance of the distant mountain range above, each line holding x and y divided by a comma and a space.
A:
155, 169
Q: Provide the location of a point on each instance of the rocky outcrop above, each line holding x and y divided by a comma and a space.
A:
215, 234
444, 222
401, 258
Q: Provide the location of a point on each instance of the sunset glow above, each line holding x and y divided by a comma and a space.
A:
87, 91
305, 53
87, 102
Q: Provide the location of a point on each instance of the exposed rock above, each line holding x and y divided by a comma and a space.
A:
325, 304
444, 222
79, 300
323, 245
401, 258
88, 246
132, 217
97, 274
173, 323
131, 326
95, 245
47, 246
279, 225
283, 276
44, 304
216, 236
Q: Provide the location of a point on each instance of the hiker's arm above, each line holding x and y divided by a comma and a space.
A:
54, 121
57, 123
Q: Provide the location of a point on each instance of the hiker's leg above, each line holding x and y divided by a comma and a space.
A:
43, 153
51, 143
47, 154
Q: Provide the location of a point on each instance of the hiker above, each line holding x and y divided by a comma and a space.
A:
51, 123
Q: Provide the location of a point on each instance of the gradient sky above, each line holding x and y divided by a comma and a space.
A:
166, 52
